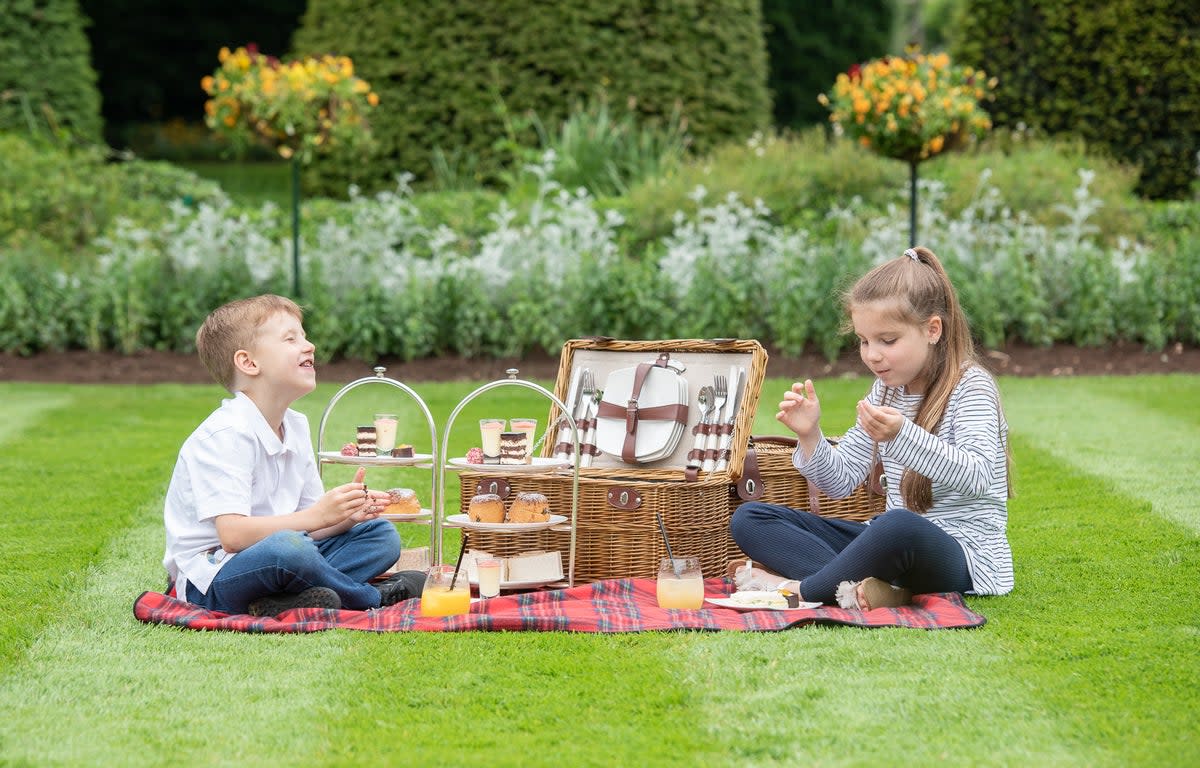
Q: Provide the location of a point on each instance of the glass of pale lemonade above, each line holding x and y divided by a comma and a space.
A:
489, 435
385, 432
680, 583
489, 577
437, 597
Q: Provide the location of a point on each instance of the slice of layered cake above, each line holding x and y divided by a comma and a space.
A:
514, 448
366, 441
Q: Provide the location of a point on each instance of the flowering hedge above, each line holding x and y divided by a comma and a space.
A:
910, 107
300, 108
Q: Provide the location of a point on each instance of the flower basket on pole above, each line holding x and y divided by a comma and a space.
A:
910, 108
299, 109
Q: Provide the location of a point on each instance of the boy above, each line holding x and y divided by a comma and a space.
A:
249, 527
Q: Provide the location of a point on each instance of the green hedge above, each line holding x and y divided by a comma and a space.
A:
47, 83
454, 75
1122, 74
808, 44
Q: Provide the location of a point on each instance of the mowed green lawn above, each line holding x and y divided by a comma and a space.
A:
1093, 660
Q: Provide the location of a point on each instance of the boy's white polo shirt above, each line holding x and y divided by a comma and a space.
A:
233, 463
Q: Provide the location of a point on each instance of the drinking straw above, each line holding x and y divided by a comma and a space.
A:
458, 565
675, 566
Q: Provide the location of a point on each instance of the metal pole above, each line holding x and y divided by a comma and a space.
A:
912, 204
296, 227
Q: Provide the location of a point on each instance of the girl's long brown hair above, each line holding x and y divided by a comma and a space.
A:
920, 289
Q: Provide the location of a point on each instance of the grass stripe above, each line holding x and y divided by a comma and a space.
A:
22, 406
97, 455
1142, 433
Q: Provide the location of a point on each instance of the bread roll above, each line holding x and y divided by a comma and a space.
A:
529, 507
485, 508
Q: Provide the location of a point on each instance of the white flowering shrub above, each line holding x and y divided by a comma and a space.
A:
381, 279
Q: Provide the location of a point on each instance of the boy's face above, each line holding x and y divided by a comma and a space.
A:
284, 357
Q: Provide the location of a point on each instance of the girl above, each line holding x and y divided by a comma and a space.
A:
933, 419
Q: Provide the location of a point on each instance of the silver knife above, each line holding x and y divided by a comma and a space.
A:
731, 412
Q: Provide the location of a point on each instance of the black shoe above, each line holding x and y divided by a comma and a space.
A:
313, 597
401, 586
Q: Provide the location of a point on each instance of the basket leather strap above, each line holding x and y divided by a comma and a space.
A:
814, 496
673, 412
750, 484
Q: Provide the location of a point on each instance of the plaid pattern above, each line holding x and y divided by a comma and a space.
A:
616, 605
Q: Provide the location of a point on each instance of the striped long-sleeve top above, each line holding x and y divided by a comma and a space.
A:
966, 461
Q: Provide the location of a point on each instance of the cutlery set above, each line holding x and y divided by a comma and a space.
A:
583, 398
718, 404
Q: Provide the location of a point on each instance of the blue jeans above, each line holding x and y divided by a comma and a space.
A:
899, 546
290, 561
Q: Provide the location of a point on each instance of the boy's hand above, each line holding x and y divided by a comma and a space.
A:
352, 501
881, 423
800, 410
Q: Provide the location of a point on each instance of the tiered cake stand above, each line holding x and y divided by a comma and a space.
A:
513, 381
431, 516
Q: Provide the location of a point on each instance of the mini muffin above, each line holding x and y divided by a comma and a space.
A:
529, 507
403, 501
485, 508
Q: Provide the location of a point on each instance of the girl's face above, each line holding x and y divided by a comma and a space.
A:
896, 351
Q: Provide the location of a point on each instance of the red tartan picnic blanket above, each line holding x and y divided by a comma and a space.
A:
615, 605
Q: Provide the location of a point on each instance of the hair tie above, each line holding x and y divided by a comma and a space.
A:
912, 254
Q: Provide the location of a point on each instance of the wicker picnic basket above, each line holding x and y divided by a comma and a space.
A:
617, 530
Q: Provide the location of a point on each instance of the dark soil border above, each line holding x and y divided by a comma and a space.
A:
149, 367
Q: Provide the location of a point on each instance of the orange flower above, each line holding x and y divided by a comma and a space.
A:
298, 107
909, 107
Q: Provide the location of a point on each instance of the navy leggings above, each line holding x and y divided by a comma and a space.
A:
898, 546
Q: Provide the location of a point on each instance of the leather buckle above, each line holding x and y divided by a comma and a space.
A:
631, 417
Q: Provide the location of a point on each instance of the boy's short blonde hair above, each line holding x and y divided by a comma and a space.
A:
234, 326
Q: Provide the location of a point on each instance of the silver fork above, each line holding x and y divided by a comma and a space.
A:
705, 403
593, 410
720, 396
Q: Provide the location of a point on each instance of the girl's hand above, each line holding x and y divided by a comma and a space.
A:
881, 423
800, 410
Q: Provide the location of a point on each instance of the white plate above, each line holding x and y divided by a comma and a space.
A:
336, 457
726, 602
539, 464
424, 514
462, 521
655, 439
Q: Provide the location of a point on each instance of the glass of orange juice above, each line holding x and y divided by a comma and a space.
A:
680, 583
445, 595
